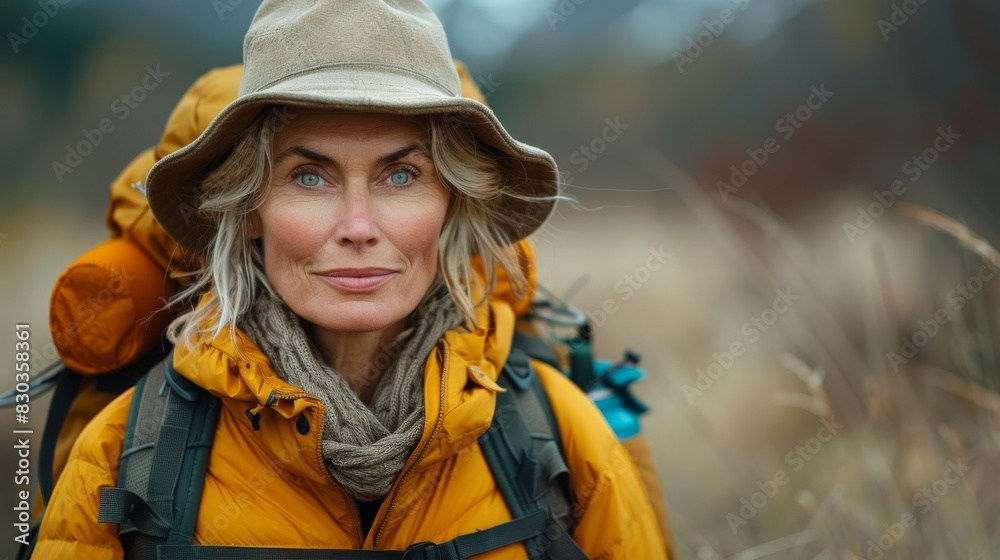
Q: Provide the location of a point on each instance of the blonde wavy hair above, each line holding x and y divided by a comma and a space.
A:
233, 273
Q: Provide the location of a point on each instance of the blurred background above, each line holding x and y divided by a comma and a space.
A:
819, 341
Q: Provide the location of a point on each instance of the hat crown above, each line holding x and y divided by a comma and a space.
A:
290, 38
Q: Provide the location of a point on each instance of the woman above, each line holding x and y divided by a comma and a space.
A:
353, 214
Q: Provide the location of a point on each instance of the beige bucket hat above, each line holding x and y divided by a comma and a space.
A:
388, 56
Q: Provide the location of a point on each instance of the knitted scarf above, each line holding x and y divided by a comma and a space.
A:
364, 447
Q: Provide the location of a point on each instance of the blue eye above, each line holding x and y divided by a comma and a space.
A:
400, 177
310, 179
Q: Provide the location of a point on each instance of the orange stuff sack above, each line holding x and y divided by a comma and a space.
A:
106, 310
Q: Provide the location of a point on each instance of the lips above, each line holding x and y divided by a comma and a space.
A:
357, 279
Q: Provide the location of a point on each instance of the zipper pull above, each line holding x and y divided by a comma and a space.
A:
253, 413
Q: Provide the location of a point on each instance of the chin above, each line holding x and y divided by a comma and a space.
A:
352, 325
356, 316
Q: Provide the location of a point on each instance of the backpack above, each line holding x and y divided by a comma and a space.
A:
164, 458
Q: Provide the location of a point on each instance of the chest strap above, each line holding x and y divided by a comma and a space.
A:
459, 548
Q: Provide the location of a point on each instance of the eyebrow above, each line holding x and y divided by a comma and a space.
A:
327, 160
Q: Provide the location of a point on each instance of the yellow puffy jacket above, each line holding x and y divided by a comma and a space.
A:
270, 488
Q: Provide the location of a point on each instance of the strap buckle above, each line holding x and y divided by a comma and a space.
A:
421, 551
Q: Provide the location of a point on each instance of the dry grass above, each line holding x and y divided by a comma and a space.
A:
911, 474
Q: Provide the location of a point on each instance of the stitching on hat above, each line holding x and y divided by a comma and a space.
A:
364, 66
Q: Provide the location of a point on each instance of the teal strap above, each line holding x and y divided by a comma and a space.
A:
581, 363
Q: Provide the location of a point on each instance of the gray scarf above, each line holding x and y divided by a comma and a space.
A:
364, 447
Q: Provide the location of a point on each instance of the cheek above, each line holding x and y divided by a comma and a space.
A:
289, 242
419, 235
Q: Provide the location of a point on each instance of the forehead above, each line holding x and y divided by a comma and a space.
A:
345, 126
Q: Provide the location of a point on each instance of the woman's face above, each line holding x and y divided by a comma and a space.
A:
351, 221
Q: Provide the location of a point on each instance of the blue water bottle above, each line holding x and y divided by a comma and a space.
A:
613, 396
609, 386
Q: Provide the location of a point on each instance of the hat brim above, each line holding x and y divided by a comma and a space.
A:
173, 184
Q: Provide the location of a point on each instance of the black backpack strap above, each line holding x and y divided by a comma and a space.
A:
67, 383
524, 453
581, 357
62, 400
536, 348
67, 387
191, 552
168, 440
459, 548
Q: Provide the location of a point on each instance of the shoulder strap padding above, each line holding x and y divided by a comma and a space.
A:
68, 386
523, 450
536, 348
168, 439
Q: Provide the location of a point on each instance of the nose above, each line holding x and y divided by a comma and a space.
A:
356, 224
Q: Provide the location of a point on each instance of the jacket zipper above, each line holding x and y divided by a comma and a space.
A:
358, 532
357, 519
423, 452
